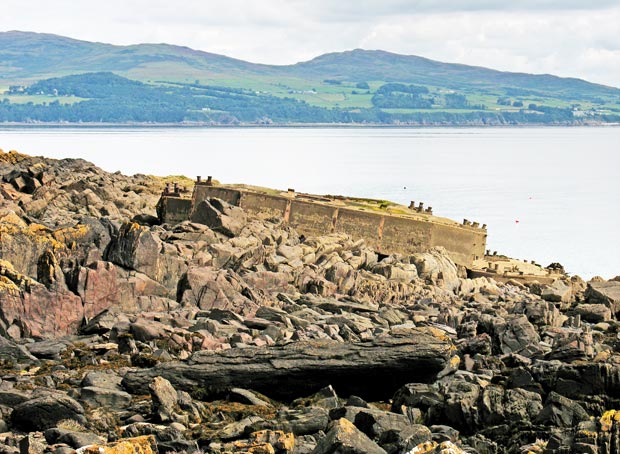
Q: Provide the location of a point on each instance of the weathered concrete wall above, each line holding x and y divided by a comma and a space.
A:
263, 206
385, 233
361, 224
311, 219
407, 236
465, 244
174, 209
203, 191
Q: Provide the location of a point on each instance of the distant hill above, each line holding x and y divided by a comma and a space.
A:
361, 64
26, 55
358, 85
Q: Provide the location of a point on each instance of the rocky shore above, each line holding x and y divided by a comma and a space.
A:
121, 335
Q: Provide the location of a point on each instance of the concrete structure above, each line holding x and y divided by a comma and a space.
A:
505, 269
386, 227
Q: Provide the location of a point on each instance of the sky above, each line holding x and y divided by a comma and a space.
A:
571, 38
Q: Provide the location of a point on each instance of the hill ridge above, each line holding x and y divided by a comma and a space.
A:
339, 55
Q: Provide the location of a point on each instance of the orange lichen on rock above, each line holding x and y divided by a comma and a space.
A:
12, 280
281, 441
70, 236
138, 445
608, 419
12, 157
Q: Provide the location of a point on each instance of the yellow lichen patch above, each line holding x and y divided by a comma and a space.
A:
13, 225
347, 426
14, 219
424, 448
8, 286
11, 280
70, 235
602, 356
43, 235
282, 441
447, 447
254, 448
438, 333
29, 372
133, 226
12, 157
587, 434
137, 445
608, 418
455, 361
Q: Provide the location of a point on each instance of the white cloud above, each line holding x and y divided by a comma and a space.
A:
564, 37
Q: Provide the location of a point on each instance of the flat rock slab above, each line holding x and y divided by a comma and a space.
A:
373, 369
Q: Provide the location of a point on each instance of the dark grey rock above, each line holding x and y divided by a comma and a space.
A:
594, 313
418, 395
245, 396
44, 412
103, 379
15, 354
375, 423
95, 397
48, 349
303, 420
378, 366
561, 411
72, 438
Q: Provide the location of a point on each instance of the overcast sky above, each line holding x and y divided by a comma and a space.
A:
576, 38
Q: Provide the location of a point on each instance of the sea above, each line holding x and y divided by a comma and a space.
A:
546, 194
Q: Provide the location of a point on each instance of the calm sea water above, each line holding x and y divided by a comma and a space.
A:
547, 194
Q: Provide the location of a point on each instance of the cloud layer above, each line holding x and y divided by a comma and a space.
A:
564, 37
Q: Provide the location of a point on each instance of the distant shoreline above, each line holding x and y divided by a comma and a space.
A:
53, 125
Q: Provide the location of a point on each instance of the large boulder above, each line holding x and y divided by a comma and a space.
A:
607, 293
29, 309
498, 405
518, 335
23, 244
561, 411
45, 412
219, 216
374, 368
135, 247
437, 268
103, 285
558, 292
594, 313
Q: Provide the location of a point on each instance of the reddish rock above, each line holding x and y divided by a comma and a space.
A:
37, 311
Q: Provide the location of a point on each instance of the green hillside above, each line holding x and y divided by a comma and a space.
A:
353, 86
